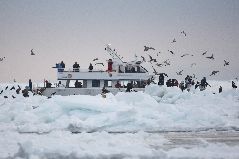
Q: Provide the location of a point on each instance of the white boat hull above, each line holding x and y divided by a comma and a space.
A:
83, 91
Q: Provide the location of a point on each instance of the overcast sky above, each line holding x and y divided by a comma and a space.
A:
77, 30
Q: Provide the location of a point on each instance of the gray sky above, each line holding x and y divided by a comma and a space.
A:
77, 30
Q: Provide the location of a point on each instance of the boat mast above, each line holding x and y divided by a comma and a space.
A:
113, 53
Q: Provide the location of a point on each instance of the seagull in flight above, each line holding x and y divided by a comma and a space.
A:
159, 64
184, 55
95, 59
171, 52
155, 72
210, 57
204, 53
214, 73
193, 64
226, 63
143, 59
174, 41
32, 53
183, 32
151, 59
1, 59
146, 48
180, 72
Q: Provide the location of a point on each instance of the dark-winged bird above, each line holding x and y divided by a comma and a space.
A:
95, 59
210, 57
184, 55
6, 88
180, 72
12, 88
174, 40
226, 63
183, 32
151, 59
146, 48
204, 53
13, 96
214, 73
143, 58
171, 52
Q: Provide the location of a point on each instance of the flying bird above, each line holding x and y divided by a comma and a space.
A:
53, 93
159, 64
155, 72
184, 55
143, 58
204, 53
6, 88
214, 73
146, 48
1, 59
151, 59
193, 64
13, 96
158, 53
95, 59
226, 63
183, 32
99, 64
171, 52
174, 41
12, 88
166, 62
1, 91
180, 72
5, 97
32, 53
34, 107
210, 57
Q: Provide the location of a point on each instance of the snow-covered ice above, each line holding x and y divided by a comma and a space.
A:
125, 125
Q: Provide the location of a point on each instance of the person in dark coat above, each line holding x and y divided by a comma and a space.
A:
76, 67
62, 65
220, 89
25, 93
90, 68
30, 85
129, 87
234, 85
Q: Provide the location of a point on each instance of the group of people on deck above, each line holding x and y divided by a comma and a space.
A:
76, 67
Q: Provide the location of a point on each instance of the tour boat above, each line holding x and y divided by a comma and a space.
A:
90, 82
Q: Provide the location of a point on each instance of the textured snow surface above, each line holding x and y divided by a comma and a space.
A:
37, 127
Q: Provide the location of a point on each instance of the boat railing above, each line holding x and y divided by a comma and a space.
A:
79, 70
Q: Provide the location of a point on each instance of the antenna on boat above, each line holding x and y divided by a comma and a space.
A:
113, 53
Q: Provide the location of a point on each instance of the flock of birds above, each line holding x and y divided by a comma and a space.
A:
12, 88
154, 62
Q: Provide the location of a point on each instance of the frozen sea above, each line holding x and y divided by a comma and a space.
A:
158, 123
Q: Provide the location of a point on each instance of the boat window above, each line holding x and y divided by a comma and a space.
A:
107, 83
95, 83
